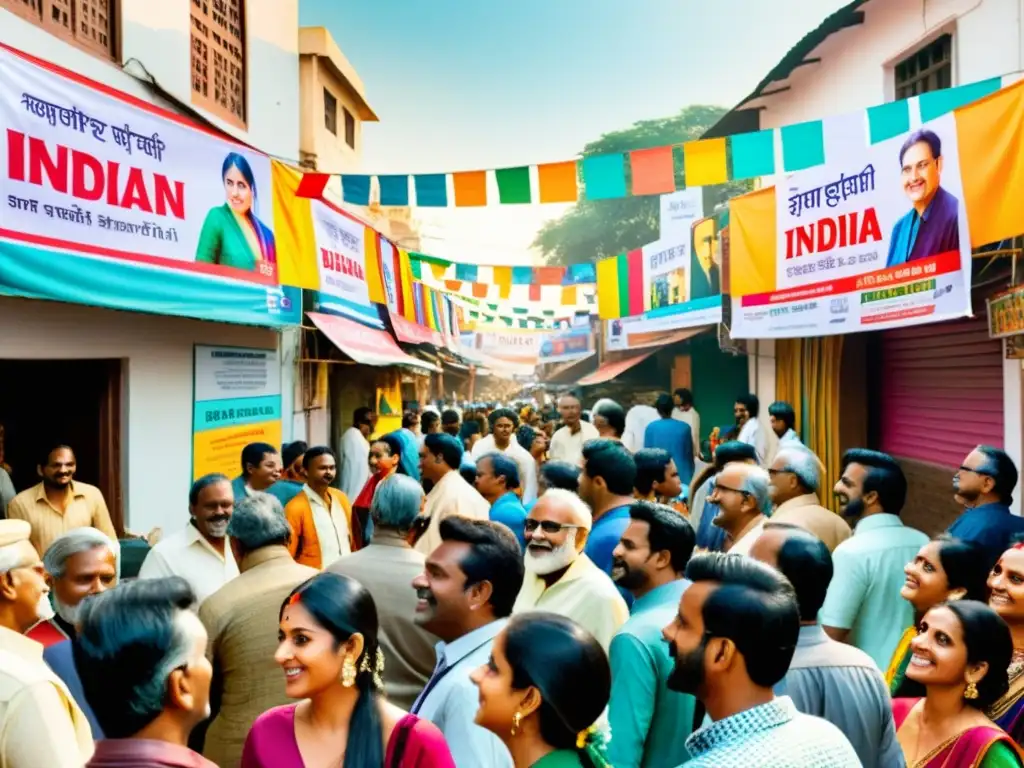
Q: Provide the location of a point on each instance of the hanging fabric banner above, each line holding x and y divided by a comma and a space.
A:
341, 244
877, 239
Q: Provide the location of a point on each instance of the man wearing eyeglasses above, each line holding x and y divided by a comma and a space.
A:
932, 225
560, 578
741, 493
984, 486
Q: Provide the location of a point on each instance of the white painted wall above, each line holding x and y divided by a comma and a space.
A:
157, 399
155, 35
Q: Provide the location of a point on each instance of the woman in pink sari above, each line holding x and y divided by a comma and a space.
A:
332, 662
960, 656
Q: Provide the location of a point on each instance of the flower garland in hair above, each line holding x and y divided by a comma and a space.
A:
594, 742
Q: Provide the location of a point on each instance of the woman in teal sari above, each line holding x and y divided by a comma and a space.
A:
232, 235
1006, 597
545, 685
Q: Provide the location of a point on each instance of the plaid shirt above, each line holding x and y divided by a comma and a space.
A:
773, 735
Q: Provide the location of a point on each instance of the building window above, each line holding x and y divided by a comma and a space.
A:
218, 58
330, 112
89, 24
928, 69
350, 129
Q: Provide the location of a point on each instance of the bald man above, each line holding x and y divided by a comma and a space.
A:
560, 578
742, 495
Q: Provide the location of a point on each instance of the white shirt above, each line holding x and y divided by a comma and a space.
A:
187, 554
331, 527
692, 418
752, 434
524, 461
743, 544
566, 446
790, 439
452, 703
355, 463
637, 419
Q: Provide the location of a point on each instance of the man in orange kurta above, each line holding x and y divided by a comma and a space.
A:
320, 516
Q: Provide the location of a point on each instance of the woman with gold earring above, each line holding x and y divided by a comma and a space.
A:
959, 656
333, 664
546, 684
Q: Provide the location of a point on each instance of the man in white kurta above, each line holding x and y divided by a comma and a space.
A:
354, 456
567, 442
559, 577
504, 422
440, 458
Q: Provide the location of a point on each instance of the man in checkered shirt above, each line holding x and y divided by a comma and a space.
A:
732, 640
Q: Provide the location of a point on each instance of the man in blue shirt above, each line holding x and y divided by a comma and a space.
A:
606, 484
649, 723
497, 480
673, 436
984, 484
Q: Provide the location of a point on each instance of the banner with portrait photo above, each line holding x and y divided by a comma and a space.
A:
876, 238
111, 201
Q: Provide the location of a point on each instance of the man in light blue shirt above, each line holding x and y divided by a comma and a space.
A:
863, 606
497, 480
649, 723
782, 418
466, 593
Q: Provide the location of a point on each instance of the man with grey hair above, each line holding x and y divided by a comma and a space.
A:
40, 723
741, 493
560, 578
795, 480
242, 641
386, 567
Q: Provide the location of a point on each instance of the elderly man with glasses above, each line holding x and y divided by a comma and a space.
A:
560, 578
984, 486
795, 477
741, 493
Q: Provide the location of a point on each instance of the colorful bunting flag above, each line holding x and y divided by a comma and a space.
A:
604, 177
470, 188
513, 185
704, 163
617, 295
653, 171
558, 182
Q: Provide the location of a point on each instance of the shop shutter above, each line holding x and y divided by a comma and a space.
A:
941, 389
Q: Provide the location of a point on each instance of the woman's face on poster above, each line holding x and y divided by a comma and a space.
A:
237, 191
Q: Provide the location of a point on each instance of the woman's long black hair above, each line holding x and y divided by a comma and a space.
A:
343, 607
988, 639
569, 667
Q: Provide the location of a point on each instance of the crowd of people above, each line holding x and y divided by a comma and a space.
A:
604, 591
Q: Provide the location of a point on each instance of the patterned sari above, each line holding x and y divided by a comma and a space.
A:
1008, 712
963, 750
897, 670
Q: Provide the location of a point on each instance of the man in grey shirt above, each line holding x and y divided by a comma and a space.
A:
826, 678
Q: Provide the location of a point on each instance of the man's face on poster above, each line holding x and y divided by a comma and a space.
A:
920, 173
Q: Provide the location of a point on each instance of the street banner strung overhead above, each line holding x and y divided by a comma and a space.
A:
518, 350
876, 239
573, 344
113, 202
347, 253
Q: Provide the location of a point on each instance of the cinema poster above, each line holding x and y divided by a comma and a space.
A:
111, 201
876, 238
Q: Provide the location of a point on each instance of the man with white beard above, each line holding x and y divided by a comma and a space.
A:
559, 577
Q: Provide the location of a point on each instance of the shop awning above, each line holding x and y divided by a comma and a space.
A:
365, 345
609, 371
409, 332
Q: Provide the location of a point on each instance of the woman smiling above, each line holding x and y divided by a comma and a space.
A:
1006, 585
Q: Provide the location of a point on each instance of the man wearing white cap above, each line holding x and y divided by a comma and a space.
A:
40, 723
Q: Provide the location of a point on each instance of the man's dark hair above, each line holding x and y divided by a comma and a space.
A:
685, 396
1000, 467
805, 560
732, 451
253, 454
664, 405
409, 419
751, 403
503, 466
362, 416
46, 453
428, 420
651, 464
447, 447
928, 137
450, 416
130, 641
503, 413
755, 607
783, 412
667, 531
494, 556
614, 414
316, 452
202, 484
561, 474
292, 451
610, 460
884, 476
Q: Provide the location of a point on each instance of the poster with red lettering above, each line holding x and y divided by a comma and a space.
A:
875, 238
341, 244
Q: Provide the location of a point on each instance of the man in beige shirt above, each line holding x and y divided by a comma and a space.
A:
440, 458
40, 723
795, 479
567, 442
59, 503
386, 568
241, 622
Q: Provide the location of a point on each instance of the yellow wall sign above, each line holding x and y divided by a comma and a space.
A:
236, 401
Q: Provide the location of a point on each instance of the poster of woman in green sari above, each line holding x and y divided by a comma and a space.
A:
232, 234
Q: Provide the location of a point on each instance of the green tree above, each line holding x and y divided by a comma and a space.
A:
593, 229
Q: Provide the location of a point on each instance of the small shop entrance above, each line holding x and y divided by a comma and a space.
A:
77, 402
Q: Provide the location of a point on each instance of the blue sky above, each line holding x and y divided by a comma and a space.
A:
468, 84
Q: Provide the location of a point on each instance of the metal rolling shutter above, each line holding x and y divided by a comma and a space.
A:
941, 391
